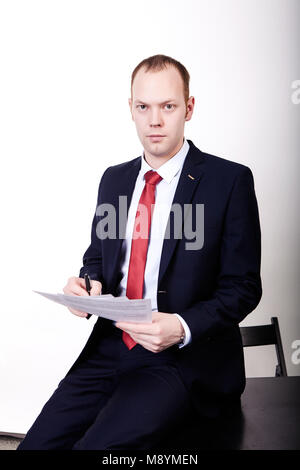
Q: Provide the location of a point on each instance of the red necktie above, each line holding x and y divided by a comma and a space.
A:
139, 244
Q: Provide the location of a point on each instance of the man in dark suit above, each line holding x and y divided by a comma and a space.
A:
199, 265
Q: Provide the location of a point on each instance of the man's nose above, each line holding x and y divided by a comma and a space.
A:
156, 118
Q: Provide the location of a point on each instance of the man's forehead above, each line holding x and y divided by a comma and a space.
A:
157, 86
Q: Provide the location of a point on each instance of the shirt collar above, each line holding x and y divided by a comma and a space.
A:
169, 169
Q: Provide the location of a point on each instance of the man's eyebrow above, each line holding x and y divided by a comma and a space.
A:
163, 102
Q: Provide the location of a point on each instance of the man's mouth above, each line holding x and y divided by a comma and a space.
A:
156, 137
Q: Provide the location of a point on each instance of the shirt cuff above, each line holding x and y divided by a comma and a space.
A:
188, 335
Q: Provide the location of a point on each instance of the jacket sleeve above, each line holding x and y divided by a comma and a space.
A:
92, 258
238, 288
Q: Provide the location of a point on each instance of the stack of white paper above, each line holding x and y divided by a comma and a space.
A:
106, 306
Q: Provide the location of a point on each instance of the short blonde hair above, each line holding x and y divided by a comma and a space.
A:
159, 62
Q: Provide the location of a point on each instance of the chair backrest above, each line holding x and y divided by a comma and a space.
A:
263, 335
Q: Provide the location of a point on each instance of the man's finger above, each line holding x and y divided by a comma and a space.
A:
145, 344
136, 327
76, 290
96, 288
77, 312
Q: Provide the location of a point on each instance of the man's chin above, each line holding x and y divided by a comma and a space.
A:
157, 150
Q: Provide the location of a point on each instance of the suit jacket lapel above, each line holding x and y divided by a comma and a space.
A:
125, 186
189, 179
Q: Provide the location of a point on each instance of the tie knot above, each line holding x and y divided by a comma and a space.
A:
152, 177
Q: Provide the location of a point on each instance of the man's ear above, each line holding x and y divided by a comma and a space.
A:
189, 108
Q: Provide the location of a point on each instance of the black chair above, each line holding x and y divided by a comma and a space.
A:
230, 430
262, 335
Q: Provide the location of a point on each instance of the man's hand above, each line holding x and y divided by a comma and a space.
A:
164, 331
76, 286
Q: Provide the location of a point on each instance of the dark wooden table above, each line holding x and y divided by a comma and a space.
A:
269, 419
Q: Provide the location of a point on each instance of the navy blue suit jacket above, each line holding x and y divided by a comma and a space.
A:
212, 288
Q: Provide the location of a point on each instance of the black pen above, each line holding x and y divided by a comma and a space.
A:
88, 288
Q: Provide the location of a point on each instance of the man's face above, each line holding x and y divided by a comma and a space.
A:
159, 111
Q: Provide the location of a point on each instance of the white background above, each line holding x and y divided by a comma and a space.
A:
64, 117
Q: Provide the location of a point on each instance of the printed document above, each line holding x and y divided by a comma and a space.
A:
106, 306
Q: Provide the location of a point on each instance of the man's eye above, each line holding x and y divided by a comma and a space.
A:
141, 106
169, 106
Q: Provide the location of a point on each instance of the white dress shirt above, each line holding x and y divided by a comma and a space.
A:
165, 190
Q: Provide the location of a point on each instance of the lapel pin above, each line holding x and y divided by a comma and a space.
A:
190, 176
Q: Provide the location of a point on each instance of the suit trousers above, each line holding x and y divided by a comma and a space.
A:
113, 398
